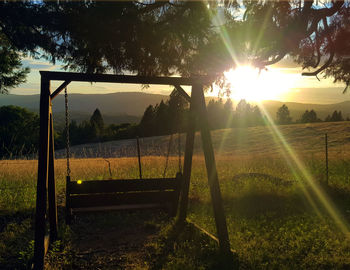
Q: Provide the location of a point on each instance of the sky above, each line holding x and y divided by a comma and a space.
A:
282, 82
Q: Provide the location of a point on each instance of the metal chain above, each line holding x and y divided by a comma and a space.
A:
67, 131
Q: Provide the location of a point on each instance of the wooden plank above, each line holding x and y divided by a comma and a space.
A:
52, 185
213, 180
40, 228
112, 186
96, 200
111, 78
190, 135
117, 207
59, 89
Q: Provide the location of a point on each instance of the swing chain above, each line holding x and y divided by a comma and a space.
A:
67, 131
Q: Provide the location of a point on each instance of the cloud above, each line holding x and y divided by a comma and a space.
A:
36, 64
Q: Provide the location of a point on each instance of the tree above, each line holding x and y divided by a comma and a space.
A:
316, 37
97, 124
309, 117
167, 37
336, 116
147, 38
216, 114
147, 123
11, 72
177, 106
19, 131
283, 115
162, 123
97, 120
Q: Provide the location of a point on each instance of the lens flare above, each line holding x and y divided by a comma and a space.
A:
298, 169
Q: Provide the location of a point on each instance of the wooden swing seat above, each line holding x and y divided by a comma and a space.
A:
95, 195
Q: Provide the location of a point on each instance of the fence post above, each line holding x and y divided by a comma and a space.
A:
326, 150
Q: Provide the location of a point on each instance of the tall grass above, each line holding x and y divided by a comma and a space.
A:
271, 224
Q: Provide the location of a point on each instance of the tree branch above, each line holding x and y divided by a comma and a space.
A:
331, 55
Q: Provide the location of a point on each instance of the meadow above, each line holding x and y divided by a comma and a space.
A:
281, 213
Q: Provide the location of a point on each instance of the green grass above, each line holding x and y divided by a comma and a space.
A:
271, 225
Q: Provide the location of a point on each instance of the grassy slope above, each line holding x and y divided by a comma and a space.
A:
303, 138
270, 226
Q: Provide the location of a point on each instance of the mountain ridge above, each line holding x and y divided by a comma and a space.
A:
133, 104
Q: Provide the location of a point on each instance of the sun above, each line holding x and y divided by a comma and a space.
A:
250, 84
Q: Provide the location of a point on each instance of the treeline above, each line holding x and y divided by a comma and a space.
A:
283, 117
19, 128
93, 130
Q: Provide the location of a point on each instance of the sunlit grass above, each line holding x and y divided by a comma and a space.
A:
271, 224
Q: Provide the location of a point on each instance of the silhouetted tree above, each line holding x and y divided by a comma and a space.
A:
177, 107
216, 114
19, 131
315, 37
162, 124
309, 117
97, 124
97, 120
283, 115
336, 116
11, 71
163, 37
147, 123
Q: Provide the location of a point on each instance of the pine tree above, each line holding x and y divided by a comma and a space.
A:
147, 123
283, 115
97, 124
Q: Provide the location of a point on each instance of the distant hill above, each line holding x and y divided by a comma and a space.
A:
121, 103
129, 106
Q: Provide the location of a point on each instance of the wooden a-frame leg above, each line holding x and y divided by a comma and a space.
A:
213, 180
52, 185
190, 135
41, 197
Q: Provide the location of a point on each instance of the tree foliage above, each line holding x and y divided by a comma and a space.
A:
19, 131
336, 116
309, 117
283, 115
183, 37
317, 37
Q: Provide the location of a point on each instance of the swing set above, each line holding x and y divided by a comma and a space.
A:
114, 194
121, 193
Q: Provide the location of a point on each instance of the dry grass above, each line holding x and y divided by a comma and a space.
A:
270, 225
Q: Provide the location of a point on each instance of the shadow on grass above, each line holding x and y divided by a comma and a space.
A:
186, 247
16, 239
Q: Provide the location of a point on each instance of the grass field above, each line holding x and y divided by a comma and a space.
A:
293, 223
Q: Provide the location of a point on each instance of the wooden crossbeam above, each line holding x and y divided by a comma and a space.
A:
111, 78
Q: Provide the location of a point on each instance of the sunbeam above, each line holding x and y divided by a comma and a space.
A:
294, 162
